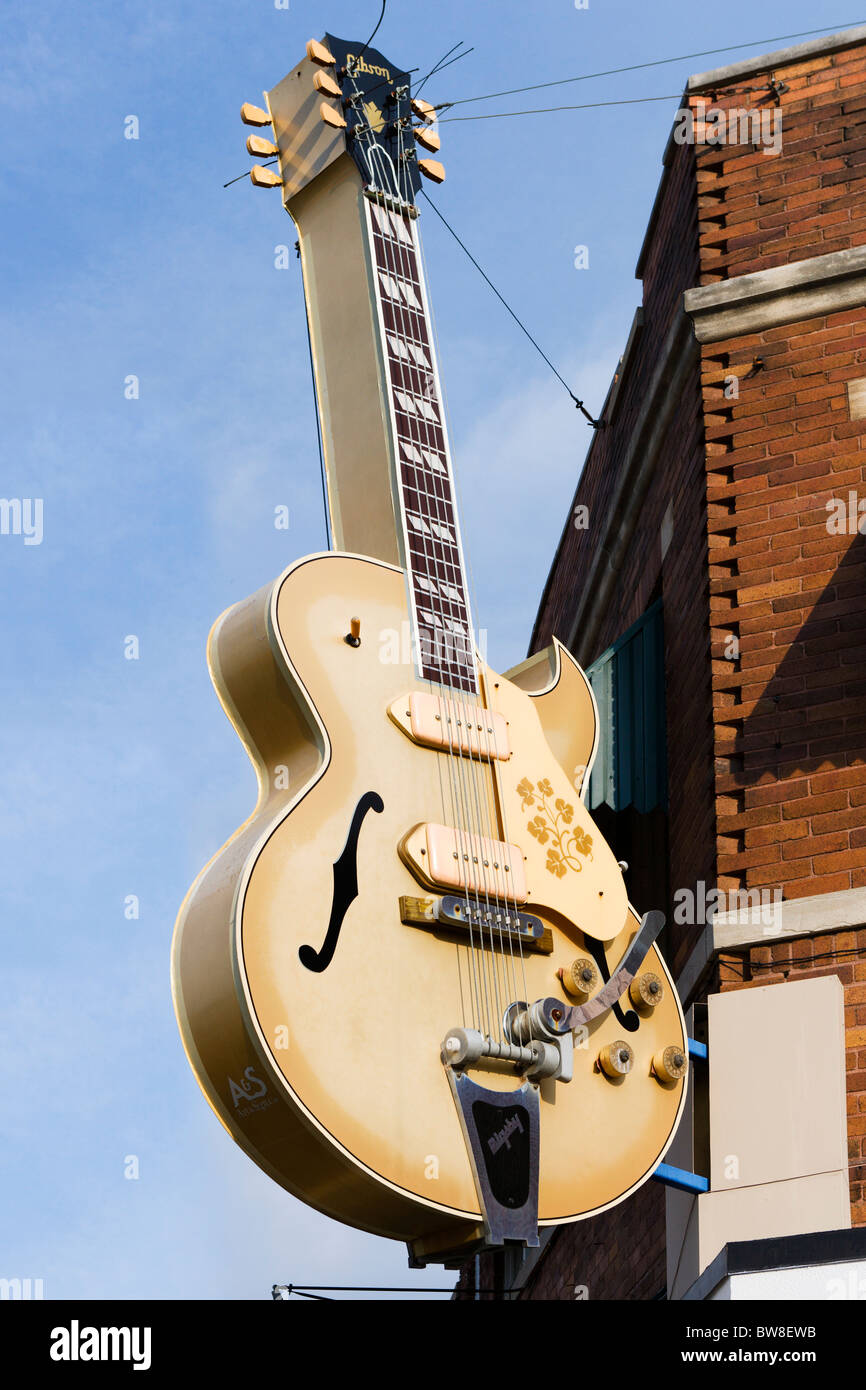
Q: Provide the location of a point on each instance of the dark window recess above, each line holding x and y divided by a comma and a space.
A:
628, 783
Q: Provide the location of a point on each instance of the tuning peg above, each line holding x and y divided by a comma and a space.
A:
427, 138
432, 169
324, 82
318, 53
257, 144
265, 178
423, 110
254, 115
332, 117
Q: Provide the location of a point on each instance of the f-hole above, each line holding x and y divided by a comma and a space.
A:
345, 887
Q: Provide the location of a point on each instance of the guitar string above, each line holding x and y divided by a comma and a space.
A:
453, 705
369, 149
437, 507
458, 788
485, 753
495, 766
498, 780
401, 316
464, 713
436, 503
482, 783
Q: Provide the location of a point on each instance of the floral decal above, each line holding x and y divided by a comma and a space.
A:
555, 824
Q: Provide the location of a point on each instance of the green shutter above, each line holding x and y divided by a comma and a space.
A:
628, 682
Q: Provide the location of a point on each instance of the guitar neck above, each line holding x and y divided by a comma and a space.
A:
424, 483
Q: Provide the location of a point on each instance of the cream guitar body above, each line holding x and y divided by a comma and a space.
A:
312, 1014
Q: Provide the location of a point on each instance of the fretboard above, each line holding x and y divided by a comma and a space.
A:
432, 546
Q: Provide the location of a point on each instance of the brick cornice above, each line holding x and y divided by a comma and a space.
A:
735, 931
786, 294
764, 62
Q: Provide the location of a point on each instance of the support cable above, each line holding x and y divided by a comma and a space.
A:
596, 424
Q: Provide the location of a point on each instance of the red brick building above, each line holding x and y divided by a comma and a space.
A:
728, 487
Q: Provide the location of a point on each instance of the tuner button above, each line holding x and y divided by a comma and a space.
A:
423, 110
254, 115
257, 144
318, 53
265, 178
432, 169
332, 117
646, 992
427, 138
580, 978
616, 1059
324, 82
670, 1064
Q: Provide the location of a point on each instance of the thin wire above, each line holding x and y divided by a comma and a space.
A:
302, 1293
459, 796
325, 506
475, 774
500, 115
656, 63
441, 66
436, 66
386, 82
493, 816
595, 423
471, 817
396, 262
786, 966
546, 110
475, 791
360, 55
377, 1288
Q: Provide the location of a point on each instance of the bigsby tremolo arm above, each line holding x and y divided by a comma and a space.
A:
539, 1038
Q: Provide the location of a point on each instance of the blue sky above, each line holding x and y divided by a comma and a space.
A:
122, 777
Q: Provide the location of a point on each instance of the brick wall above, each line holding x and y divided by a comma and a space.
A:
790, 713
765, 645
670, 265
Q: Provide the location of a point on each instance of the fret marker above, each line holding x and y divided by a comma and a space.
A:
398, 347
399, 291
420, 355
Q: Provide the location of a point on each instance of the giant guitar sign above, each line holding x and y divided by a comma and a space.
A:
411, 985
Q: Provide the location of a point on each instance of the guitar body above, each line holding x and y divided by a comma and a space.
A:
312, 1014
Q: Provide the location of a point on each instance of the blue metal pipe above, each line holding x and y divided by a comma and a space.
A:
681, 1179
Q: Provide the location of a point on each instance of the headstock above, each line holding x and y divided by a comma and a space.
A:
344, 98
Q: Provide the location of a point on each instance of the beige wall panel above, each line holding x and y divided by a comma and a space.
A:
777, 1083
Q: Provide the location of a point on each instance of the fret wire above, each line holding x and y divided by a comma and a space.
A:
442, 569
439, 502
422, 432
432, 504
413, 277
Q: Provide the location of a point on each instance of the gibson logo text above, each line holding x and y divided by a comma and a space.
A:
361, 65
